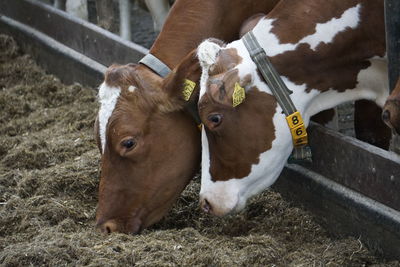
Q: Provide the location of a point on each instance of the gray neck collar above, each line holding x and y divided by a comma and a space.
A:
155, 65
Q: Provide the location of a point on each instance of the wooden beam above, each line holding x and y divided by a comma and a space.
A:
56, 58
343, 211
86, 38
360, 166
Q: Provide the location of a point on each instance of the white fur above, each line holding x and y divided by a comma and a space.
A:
231, 195
131, 88
325, 32
206, 53
108, 97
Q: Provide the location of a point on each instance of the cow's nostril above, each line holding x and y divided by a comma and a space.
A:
386, 115
108, 227
206, 206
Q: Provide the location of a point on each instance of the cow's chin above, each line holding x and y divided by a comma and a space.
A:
230, 203
223, 207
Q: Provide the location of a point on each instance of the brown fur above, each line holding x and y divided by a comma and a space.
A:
138, 186
351, 58
237, 143
306, 17
193, 21
128, 197
392, 109
240, 138
350, 49
189, 68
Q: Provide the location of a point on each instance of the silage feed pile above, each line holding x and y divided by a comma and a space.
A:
48, 193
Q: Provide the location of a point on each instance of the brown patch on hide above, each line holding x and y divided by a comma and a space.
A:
305, 18
236, 144
336, 65
227, 59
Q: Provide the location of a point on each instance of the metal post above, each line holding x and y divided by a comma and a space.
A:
125, 19
392, 23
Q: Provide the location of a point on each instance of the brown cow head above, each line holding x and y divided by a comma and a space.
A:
391, 110
150, 147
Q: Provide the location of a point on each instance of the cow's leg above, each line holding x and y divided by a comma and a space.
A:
106, 15
369, 126
125, 19
159, 11
77, 8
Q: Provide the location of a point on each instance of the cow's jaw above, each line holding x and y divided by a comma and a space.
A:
223, 197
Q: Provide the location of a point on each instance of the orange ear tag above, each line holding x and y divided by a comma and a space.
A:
188, 88
238, 95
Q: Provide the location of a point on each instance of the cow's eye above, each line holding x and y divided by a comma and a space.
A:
215, 120
128, 143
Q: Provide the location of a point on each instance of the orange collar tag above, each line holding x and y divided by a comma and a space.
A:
297, 129
188, 88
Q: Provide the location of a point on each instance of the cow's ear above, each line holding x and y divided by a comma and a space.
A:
120, 75
183, 82
228, 89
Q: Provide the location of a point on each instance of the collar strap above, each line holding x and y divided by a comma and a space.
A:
282, 95
155, 65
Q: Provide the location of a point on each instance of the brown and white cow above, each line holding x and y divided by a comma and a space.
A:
326, 51
150, 145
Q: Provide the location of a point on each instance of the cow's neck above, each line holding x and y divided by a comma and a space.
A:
190, 23
332, 56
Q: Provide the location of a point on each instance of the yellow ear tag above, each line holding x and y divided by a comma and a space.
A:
188, 88
238, 95
297, 129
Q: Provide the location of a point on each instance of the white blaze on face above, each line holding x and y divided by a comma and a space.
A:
227, 197
231, 195
108, 97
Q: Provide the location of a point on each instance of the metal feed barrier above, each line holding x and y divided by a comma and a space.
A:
351, 186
